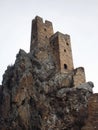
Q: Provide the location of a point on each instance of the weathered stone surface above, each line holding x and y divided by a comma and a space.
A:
35, 93
38, 102
87, 86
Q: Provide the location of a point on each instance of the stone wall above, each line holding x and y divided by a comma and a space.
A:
66, 61
79, 76
54, 40
92, 121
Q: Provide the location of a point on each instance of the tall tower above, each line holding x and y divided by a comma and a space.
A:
62, 52
40, 34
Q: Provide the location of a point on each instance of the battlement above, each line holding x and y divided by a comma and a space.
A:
66, 36
39, 19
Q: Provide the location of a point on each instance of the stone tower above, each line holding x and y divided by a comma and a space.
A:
62, 52
40, 34
46, 43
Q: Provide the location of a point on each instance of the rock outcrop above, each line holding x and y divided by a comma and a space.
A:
35, 96
31, 98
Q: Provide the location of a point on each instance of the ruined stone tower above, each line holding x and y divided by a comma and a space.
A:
62, 51
40, 33
46, 43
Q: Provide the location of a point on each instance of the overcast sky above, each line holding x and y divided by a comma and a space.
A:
78, 18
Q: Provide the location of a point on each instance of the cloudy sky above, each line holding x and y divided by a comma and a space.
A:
78, 18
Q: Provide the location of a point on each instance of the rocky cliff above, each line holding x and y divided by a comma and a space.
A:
34, 96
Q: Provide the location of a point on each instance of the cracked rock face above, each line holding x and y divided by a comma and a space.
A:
34, 97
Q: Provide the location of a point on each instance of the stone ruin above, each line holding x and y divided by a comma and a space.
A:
43, 91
